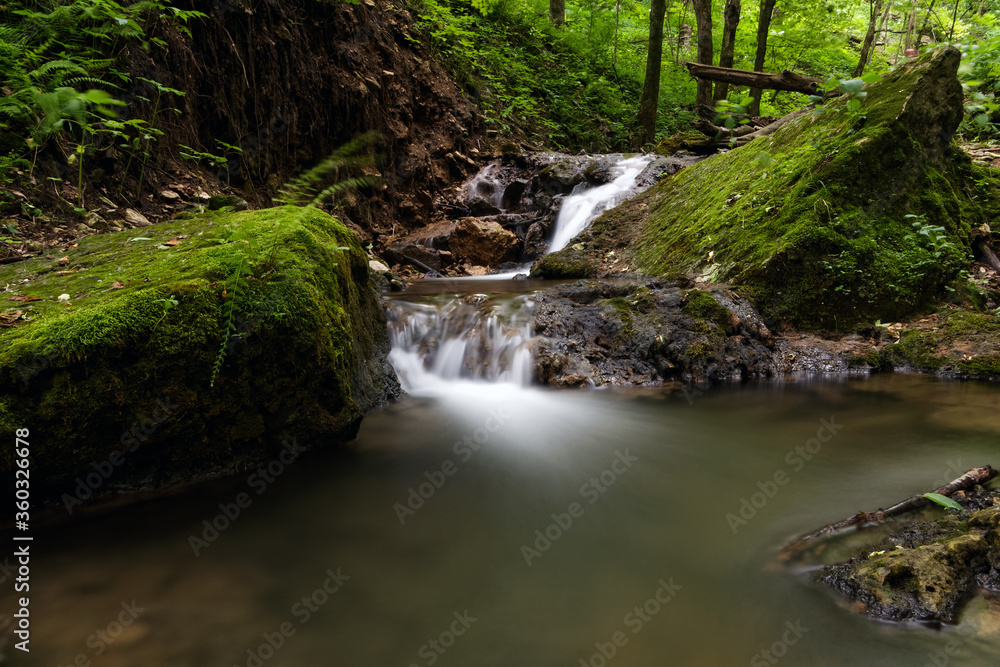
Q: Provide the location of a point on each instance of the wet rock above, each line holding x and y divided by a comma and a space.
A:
483, 242
927, 570
512, 195
563, 174
435, 235
377, 266
599, 172
641, 333
479, 206
413, 254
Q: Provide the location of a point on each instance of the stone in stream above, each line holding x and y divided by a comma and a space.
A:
114, 380
926, 570
825, 223
483, 242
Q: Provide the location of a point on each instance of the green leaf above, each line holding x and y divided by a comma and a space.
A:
871, 77
943, 501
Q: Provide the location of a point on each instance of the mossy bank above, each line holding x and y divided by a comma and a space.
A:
114, 346
843, 215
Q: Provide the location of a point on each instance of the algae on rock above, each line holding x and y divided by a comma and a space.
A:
830, 220
307, 354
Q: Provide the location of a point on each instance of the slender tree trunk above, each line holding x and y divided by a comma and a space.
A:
763, 28
909, 29
727, 52
557, 11
927, 20
651, 87
875, 10
954, 17
706, 52
683, 32
883, 27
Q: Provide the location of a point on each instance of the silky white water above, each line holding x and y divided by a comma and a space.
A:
583, 206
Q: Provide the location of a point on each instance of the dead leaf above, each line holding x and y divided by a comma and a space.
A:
25, 298
66, 273
117, 285
63, 261
11, 316
74, 246
172, 241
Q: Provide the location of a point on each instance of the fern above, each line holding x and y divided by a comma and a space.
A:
306, 189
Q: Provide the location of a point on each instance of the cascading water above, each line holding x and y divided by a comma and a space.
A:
440, 345
460, 338
581, 207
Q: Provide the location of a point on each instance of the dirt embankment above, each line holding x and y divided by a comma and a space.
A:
285, 83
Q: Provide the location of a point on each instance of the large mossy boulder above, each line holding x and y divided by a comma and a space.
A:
831, 220
115, 360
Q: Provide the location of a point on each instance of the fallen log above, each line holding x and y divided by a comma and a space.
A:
723, 139
786, 80
867, 519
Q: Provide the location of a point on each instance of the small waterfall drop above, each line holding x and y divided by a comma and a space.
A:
457, 338
581, 207
456, 344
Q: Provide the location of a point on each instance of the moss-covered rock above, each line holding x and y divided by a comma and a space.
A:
838, 217
569, 263
957, 343
927, 570
114, 361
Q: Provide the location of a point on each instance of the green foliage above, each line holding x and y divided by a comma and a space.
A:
342, 170
943, 501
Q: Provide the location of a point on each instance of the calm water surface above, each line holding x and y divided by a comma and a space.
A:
649, 477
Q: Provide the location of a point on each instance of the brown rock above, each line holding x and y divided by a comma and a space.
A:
483, 242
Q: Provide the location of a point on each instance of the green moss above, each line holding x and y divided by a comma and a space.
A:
964, 343
702, 305
569, 263
820, 237
675, 142
303, 361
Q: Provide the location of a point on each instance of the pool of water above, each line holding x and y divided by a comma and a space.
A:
501, 526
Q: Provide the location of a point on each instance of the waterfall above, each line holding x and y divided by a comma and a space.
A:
443, 343
467, 337
584, 204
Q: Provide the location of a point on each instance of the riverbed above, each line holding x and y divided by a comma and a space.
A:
498, 525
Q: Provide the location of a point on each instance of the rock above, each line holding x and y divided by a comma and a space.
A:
435, 235
95, 222
809, 221
308, 358
599, 172
512, 195
563, 174
641, 333
136, 219
377, 266
215, 202
476, 270
170, 197
414, 254
483, 242
927, 570
478, 207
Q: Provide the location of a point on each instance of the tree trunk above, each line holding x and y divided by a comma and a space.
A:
727, 52
703, 17
651, 87
557, 12
883, 28
786, 80
763, 27
954, 17
875, 9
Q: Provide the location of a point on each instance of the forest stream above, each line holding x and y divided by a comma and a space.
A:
485, 521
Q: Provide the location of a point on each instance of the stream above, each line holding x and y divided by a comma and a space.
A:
485, 521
